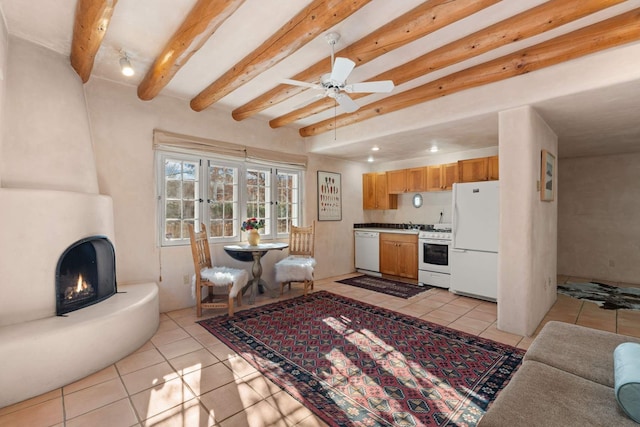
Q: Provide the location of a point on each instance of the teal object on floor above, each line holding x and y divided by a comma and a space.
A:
626, 362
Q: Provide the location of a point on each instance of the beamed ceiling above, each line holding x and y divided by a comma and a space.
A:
455, 64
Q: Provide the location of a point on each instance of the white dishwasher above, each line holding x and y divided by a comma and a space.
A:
368, 252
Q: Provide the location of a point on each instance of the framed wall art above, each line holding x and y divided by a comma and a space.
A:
329, 196
547, 176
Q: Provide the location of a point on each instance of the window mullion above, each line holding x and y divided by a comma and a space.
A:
203, 193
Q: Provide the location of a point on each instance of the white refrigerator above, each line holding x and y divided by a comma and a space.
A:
474, 245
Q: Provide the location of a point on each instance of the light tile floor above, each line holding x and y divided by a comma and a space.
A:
185, 377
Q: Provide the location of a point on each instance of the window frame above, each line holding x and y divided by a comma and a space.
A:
202, 211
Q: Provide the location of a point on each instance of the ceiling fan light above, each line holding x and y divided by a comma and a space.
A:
125, 66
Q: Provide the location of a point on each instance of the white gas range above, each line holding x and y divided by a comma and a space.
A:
434, 244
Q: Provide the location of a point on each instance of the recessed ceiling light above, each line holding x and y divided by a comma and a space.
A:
434, 149
375, 148
370, 159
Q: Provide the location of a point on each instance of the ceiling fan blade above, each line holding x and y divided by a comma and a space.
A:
342, 67
347, 104
303, 84
381, 86
309, 101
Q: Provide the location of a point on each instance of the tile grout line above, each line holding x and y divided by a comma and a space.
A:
578, 313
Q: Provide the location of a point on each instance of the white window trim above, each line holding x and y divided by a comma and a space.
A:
242, 165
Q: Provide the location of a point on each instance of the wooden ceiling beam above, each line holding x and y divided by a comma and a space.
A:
317, 17
202, 21
616, 31
537, 20
418, 22
89, 27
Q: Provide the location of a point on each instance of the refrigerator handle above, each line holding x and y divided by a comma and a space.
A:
454, 224
458, 250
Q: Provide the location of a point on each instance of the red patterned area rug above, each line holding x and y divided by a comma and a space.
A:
356, 364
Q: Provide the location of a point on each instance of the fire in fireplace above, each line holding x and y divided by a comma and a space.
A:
85, 275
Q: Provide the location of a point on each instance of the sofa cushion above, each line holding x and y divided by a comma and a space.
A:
578, 350
541, 395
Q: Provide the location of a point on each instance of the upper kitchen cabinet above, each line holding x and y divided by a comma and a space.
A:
417, 180
481, 169
375, 193
397, 181
407, 180
473, 170
494, 170
441, 177
450, 174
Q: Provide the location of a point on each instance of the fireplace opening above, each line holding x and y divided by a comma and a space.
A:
85, 275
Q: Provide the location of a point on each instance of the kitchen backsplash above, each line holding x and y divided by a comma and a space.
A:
405, 226
428, 213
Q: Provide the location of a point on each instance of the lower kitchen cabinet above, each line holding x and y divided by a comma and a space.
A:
399, 255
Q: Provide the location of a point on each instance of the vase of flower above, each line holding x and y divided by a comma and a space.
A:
253, 237
252, 226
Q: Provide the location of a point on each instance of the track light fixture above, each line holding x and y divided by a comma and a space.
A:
125, 65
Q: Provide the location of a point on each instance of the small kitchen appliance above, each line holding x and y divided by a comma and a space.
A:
434, 245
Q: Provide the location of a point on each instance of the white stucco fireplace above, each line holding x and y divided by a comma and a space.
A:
49, 199
39, 350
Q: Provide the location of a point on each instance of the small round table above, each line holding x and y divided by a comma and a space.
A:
247, 252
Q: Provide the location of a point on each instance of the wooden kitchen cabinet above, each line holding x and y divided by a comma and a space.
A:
399, 255
473, 170
480, 169
417, 180
375, 194
494, 169
441, 177
407, 180
450, 175
397, 181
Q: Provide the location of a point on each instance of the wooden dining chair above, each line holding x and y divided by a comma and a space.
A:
228, 282
299, 265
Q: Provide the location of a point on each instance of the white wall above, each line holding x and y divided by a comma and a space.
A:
4, 51
334, 249
528, 227
122, 128
429, 213
47, 142
598, 208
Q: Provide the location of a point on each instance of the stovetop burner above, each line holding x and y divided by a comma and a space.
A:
436, 231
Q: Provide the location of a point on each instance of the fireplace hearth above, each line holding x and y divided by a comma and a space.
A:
85, 274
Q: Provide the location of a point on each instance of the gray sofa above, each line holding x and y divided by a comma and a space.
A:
566, 379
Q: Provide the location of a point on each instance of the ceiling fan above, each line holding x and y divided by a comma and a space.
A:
334, 84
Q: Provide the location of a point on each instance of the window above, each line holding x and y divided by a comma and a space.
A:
221, 194
288, 205
180, 196
259, 197
222, 200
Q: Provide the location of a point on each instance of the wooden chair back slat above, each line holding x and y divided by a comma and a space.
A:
200, 249
302, 240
